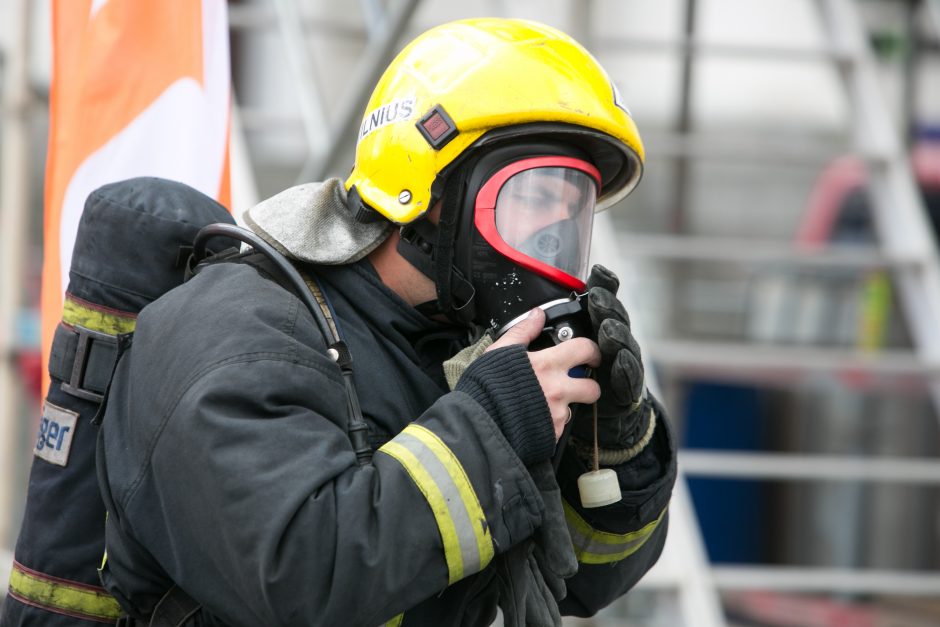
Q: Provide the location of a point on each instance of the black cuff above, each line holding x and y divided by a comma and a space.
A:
631, 435
503, 382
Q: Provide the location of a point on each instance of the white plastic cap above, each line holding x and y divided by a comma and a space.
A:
599, 488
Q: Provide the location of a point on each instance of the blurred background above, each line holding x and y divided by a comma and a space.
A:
779, 259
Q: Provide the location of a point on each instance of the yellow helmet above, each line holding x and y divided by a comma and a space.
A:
460, 84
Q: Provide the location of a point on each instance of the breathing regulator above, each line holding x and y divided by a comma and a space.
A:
566, 319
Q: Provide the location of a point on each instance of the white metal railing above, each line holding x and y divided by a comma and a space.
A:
818, 467
755, 251
828, 580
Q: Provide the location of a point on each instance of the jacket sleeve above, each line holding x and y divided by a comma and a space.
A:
252, 501
615, 545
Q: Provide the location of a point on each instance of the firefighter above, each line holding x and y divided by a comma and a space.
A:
236, 492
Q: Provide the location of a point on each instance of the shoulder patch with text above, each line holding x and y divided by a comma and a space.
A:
55, 434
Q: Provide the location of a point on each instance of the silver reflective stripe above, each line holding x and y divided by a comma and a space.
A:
468, 546
463, 526
592, 546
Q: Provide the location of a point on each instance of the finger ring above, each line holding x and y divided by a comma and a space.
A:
568, 419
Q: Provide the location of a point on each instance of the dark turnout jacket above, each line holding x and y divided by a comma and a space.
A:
232, 475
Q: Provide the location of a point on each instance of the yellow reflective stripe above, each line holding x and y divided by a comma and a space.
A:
76, 312
438, 504
875, 308
477, 519
395, 622
600, 547
468, 545
62, 596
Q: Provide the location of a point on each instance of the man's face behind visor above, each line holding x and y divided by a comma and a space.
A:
542, 216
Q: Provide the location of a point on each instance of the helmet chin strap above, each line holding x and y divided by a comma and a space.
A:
430, 249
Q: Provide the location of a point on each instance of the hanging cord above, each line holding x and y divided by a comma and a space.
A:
563, 440
337, 349
597, 449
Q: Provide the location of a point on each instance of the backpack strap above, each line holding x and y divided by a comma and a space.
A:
322, 302
174, 609
302, 283
267, 267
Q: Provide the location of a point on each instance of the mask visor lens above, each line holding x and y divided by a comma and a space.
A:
546, 214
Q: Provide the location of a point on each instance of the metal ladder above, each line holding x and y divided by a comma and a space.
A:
906, 249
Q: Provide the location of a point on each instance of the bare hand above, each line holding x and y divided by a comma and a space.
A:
551, 367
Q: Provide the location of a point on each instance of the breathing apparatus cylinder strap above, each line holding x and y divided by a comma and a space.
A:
83, 360
318, 308
85, 347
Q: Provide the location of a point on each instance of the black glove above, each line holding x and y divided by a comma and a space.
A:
531, 575
623, 413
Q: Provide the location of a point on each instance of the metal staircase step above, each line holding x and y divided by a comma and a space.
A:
805, 467
831, 580
750, 360
761, 251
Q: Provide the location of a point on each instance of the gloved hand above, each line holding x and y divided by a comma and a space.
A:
624, 415
531, 575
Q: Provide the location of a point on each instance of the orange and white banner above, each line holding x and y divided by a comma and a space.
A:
139, 88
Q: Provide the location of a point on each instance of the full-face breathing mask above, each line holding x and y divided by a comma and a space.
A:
524, 237
532, 211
